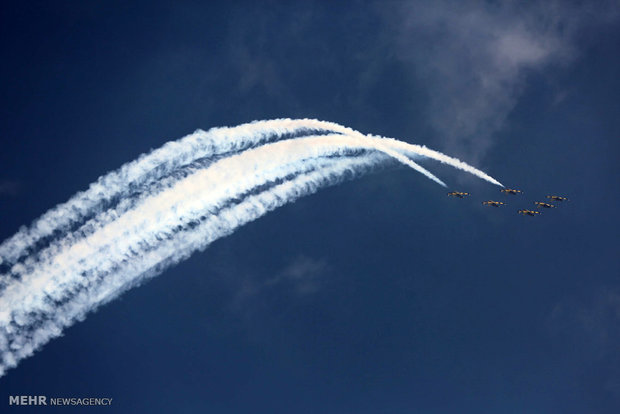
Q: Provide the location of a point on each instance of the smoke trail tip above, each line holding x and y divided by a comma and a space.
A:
494, 181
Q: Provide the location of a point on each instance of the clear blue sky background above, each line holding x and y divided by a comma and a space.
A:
380, 295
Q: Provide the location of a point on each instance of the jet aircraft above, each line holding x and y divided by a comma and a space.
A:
458, 194
529, 212
510, 191
557, 198
545, 205
493, 203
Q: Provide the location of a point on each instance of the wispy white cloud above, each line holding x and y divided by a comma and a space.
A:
303, 274
258, 40
475, 56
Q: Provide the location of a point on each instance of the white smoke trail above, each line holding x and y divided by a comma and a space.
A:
85, 269
151, 167
411, 149
269, 159
115, 231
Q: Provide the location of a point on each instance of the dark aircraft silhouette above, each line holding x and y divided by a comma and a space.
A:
529, 212
493, 203
545, 205
510, 191
557, 198
458, 194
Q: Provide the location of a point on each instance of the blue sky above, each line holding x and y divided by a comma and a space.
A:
380, 294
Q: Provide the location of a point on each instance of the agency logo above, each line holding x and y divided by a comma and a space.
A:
44, 400
27, 400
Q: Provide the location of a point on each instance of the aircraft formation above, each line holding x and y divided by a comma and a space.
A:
512, 191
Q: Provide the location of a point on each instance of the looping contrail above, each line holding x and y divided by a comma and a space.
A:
156, 211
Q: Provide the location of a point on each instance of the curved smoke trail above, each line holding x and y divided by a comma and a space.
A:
174, 155
168, 205
151, 167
